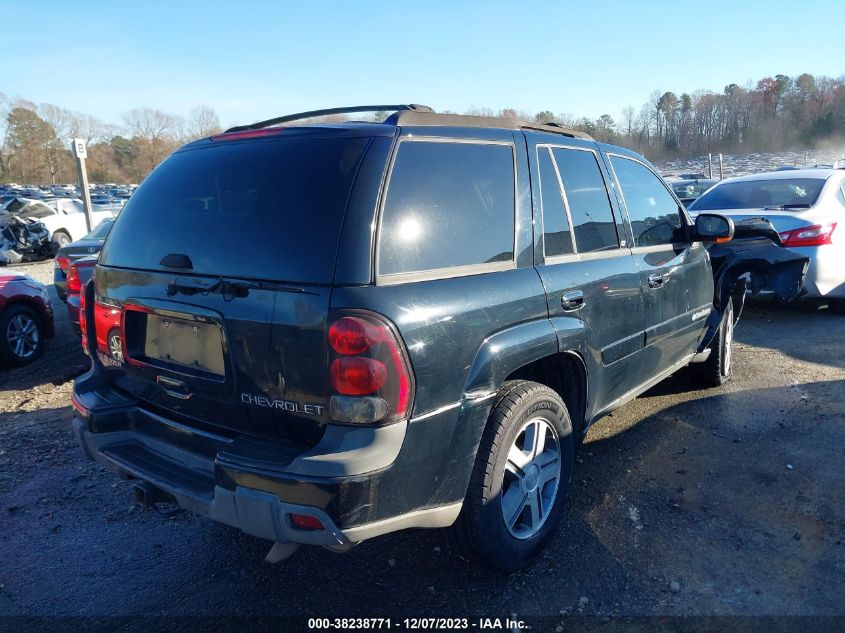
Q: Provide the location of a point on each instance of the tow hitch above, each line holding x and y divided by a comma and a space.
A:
149, 497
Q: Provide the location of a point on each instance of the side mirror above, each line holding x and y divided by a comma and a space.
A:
711, 227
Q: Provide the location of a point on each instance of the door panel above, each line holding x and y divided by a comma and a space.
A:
676, 279
584, 270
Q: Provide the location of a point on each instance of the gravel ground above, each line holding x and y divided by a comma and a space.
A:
728, 501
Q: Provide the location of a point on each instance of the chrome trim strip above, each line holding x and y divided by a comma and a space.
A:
633, 393
444, 273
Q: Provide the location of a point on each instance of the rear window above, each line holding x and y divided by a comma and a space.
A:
752, 194
101, 231
257, 209
448, 205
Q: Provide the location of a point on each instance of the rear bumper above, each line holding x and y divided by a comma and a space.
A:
826, 274
72, 304
256, 485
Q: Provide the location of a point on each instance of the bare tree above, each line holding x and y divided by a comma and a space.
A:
155, 134
202, 122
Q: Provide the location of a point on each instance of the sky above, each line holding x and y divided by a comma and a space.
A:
254, 60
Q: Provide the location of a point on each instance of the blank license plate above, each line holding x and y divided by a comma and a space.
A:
189, 343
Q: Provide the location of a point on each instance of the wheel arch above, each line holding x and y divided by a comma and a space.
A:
550, 352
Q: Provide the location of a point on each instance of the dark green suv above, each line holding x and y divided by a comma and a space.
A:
333, 331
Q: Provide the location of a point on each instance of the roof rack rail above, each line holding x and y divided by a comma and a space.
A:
411, 107
557, 128
423, 118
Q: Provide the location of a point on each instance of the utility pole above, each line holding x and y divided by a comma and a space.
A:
81, 153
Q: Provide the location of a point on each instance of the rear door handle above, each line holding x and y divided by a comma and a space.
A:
655, 281
572, 300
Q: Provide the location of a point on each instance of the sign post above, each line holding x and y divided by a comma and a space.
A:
81, 153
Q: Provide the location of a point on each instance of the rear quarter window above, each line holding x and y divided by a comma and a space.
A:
449, 205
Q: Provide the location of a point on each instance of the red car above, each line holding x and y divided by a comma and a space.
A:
106, 318
26, 319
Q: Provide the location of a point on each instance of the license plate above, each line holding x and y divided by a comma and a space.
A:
191, 344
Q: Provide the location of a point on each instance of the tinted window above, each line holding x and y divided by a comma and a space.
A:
796, 193
556, 233
586, 194
448, 204
262, 209
652, 210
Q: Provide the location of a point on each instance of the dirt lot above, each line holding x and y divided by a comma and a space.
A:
722, 502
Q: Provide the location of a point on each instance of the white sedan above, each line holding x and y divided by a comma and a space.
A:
805, 206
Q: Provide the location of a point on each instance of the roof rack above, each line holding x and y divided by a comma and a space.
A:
411, 107
414, 114
422, 118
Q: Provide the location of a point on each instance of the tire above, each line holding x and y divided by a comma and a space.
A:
60, 238
837, 306
510, 513
21, 336
716, 370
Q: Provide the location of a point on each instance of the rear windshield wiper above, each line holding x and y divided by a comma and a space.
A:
784, 207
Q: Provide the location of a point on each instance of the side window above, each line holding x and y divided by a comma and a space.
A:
557, 237
655, 217
448, 204
840, 195
586, 196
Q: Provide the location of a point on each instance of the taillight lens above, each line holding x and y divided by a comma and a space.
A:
816, 235
352, 335
63, 263
356, 376
74, 284
368, 359
83, 322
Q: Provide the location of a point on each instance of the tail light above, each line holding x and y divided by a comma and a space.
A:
83, 322
74, 284
63, 263
816, 235
368, 370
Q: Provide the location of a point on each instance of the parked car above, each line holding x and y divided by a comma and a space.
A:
806, 207
26, 319
89, 245
432, 313
64, 218
78, 273
689, 190
21, 238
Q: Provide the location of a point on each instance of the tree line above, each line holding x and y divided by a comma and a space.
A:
35, 141
772, 114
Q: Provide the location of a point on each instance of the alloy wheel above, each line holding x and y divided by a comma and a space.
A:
531, 478
22, 336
